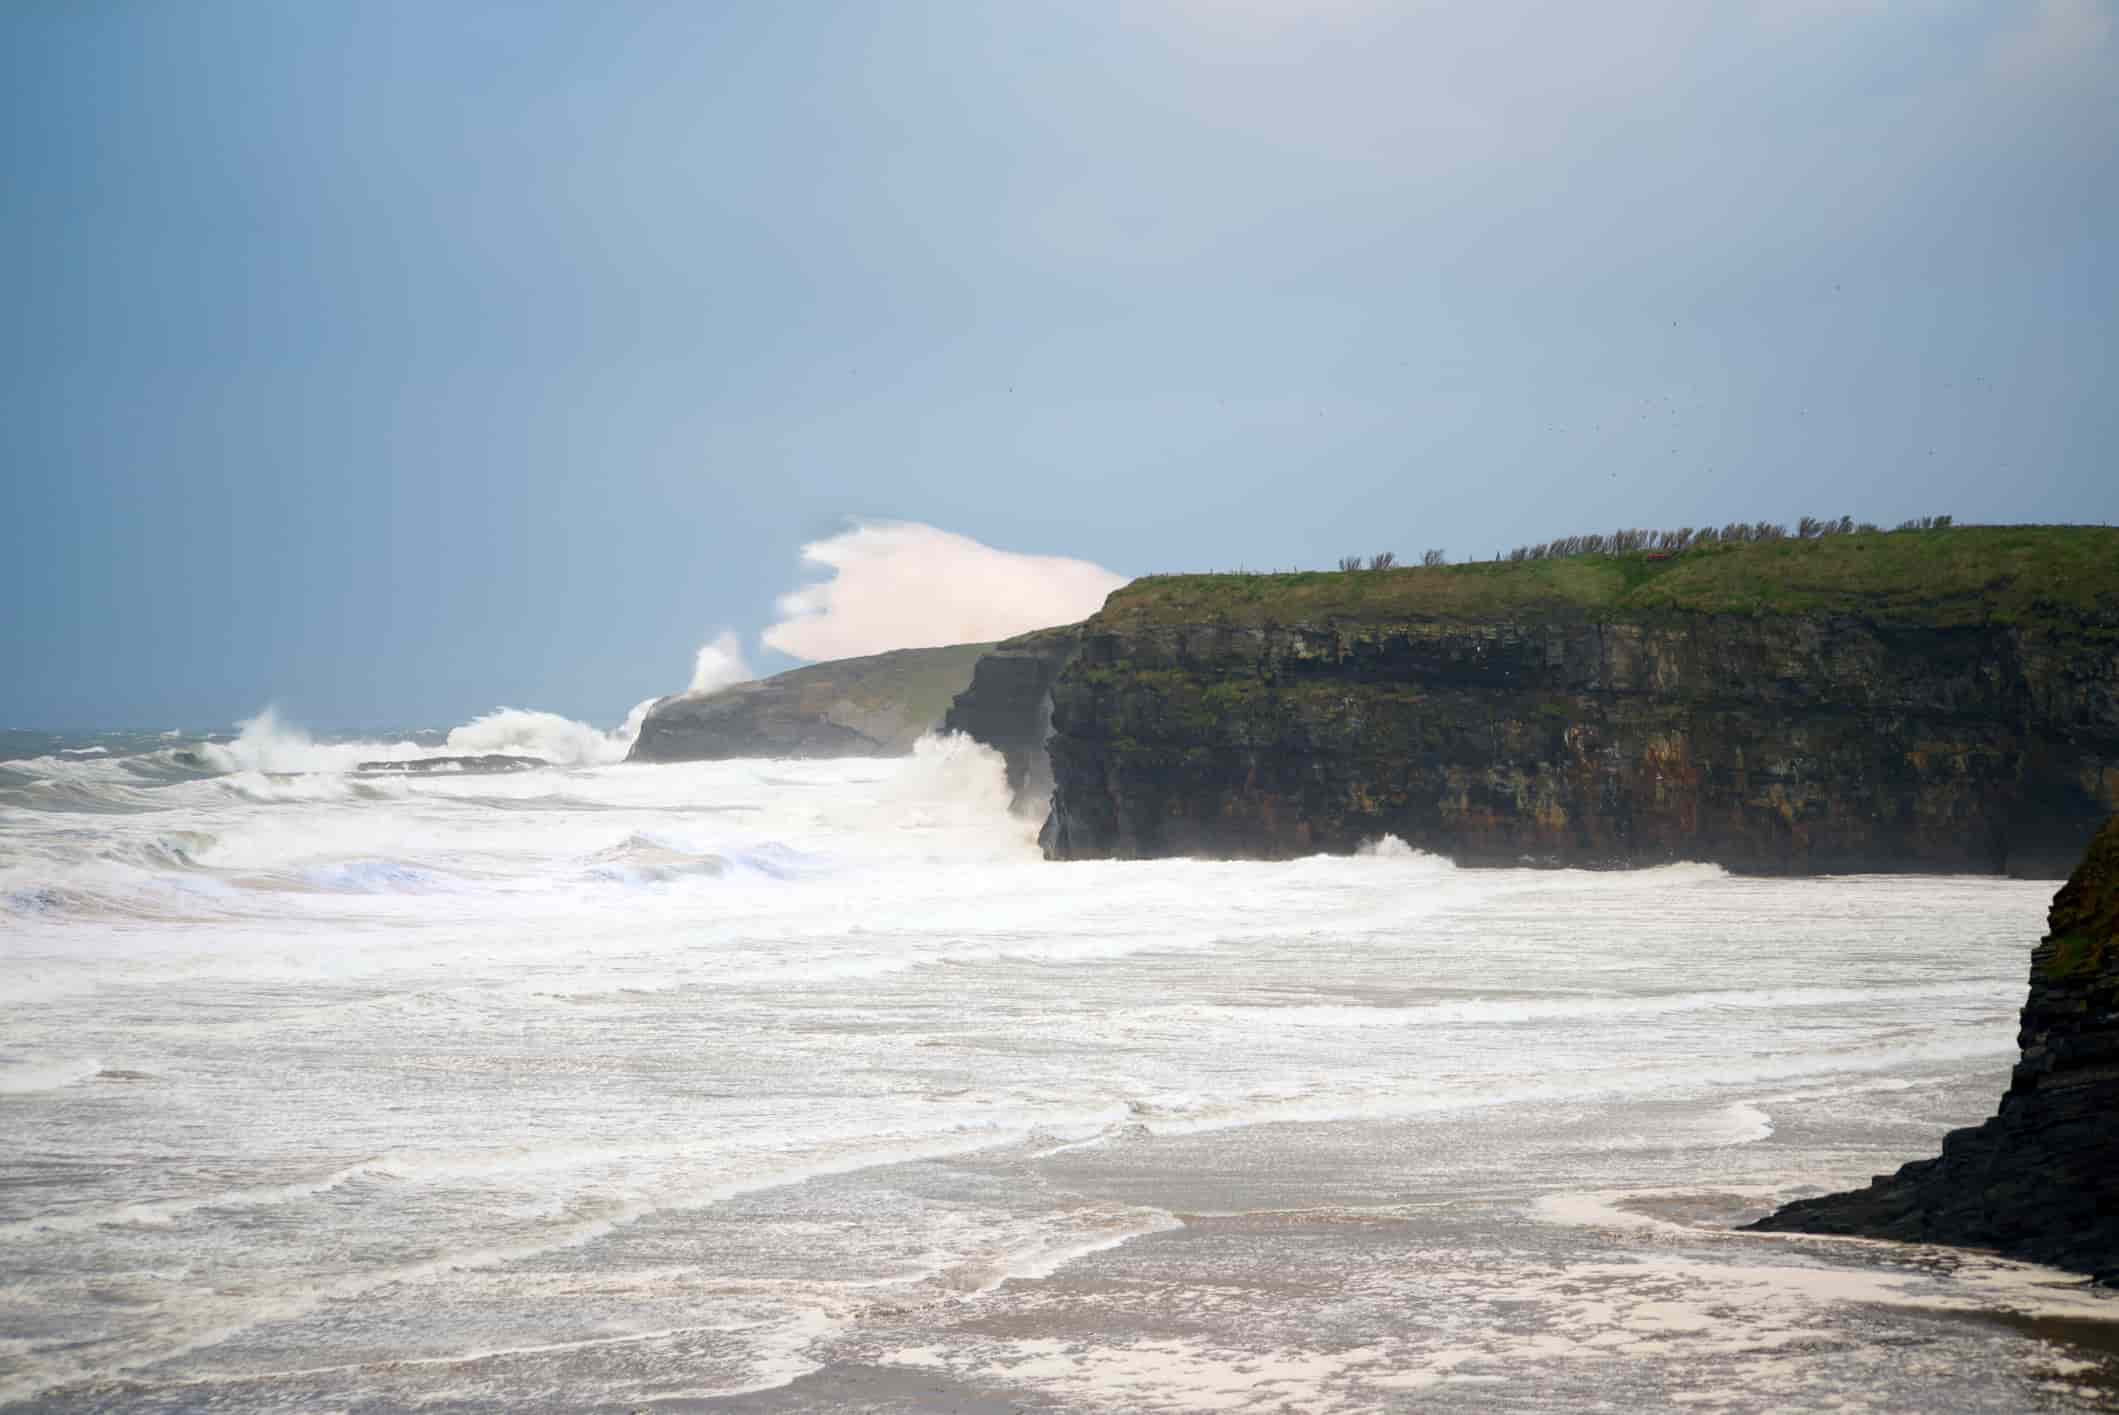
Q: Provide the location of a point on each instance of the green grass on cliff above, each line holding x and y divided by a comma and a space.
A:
2085, 915
1959, 575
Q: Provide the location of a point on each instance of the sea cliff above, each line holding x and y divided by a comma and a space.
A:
2040, 1180
1940, 700
1008, 706
874, 706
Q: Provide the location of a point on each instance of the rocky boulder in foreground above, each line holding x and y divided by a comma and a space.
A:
2040, 1180
876, 706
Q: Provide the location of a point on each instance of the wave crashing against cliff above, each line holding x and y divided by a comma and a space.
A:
1942, 701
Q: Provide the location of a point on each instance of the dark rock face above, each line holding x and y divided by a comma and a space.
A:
1009, 707
876, 706
2040, 1180
1770, 743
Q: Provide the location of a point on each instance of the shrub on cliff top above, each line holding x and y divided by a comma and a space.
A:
1626, 542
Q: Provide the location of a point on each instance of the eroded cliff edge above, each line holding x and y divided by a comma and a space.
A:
1910, 701
2040, 1180
875, 706
1008, 706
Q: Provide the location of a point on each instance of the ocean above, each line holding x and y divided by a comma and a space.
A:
776, 1086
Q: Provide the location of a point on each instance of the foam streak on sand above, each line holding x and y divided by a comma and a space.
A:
21, 1075
647, 1082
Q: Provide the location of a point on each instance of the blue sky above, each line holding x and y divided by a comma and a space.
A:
396, 361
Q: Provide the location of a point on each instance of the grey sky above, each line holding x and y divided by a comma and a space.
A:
395, 361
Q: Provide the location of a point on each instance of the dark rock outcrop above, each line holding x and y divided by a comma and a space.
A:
876, 706
2040, 1180
484, 763
1612, 712
1009, 707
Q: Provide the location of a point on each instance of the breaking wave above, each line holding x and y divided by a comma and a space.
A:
270, 759
559, 740
267, 744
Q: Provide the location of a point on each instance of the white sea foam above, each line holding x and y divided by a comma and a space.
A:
22, 1075
268, 744
1067, 1239
411, 1068
1504, 1012
559, 740
1743, 1123
265, 744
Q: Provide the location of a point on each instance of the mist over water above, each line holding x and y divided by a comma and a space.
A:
600, 1085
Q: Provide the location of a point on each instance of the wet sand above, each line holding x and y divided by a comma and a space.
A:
1480, 1306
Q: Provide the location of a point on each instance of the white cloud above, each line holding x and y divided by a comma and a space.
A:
719, 663
901, 585
2059, 35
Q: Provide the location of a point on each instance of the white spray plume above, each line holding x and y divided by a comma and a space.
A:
265, 743
903, 585
523, 732
268, 744
719, 664
628, 731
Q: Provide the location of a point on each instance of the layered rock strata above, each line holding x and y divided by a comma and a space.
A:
2040, 1180
1615, 713
1008, 706
875, 706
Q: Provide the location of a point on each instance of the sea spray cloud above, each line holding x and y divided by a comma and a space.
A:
560, 740
719, 663
267, 743
903, 585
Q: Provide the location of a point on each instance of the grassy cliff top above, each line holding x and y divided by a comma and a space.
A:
1955, 576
